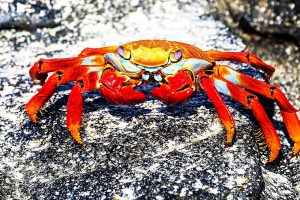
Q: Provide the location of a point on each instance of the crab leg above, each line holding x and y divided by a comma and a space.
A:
47, 90
98, 51
89, 56
38, 100
244, 57
226, 118
251, 101
74, 111
40, 69
89, 82
288, 112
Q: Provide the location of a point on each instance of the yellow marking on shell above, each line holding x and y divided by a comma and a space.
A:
150, 56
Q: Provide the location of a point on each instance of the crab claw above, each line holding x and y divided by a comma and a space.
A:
178, 89
125, 96
117, 90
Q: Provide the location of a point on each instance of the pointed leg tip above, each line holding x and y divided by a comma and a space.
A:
296, 149
33, 118
76, 137
229, 136
273, 155
74, 131
228, 142
79, 141
31, 114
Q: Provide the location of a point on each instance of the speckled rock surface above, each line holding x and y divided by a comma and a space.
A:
267, 17
145, 151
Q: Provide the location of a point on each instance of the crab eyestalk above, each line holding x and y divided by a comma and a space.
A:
175, 56
124, 53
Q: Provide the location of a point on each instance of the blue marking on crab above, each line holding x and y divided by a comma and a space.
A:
158, 77
172, 69
194, 64
197, 64
232, 76
121, 64
88, 61
222, 87
95, 69
146, 77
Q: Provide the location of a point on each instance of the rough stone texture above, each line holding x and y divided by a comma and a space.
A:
29, 15
145, 151
273, 17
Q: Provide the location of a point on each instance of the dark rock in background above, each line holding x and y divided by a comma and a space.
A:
267, 17
25, 15
146, 151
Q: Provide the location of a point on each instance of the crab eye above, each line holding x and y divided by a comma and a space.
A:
124, 53
175, 56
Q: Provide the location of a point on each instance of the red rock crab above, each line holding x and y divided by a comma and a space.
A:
179, 68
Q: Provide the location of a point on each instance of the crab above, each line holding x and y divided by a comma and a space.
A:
179, 70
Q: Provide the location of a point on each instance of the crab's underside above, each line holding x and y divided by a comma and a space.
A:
178, 68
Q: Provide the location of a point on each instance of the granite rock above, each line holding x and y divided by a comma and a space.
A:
268, 17
29, 15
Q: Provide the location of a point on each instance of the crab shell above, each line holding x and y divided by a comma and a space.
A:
158, 53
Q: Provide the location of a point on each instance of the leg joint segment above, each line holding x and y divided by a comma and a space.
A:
250, 99
272, 89
40, 65
59, 73
248, 54
81, 83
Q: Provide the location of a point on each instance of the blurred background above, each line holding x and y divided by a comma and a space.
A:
119, 161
